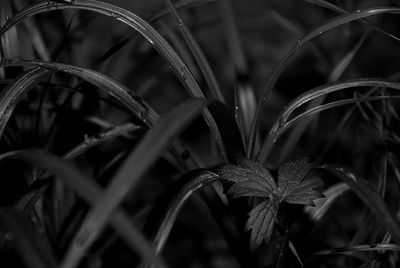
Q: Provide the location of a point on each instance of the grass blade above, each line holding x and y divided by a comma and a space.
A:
92, 193
126, 17
144, 155
369, 197
198, 53
334, 76
331, 24
138, 24
167, 209
322, 205
134, 104
340, 10
313, 94
33, 248
10, 96
332, 105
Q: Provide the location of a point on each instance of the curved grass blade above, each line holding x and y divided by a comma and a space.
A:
134, 104
33, 248
330, 6
310, 95
332, 105
138, 24
126, 17
369, 197
331, 24
10, 96
144, 155
324, 204
92, 193
198, 53
167, 209
334, 76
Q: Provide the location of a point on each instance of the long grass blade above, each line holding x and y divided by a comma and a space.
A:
166, 211
334, 76
335, 8
197, 52
133, 103
10, 96
92, 193
144, 155
313, 94
33, 248
126, 17
138, 24
331, 24
322, 205
369, 197
332, 105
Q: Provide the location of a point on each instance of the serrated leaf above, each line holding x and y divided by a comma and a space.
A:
261, 222
293, 185
250, 178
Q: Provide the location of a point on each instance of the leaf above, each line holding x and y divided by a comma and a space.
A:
294, 187
250, 178
261, 222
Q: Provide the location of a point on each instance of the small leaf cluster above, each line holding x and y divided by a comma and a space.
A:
252, 179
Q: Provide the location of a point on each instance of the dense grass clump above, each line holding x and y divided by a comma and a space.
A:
199, 133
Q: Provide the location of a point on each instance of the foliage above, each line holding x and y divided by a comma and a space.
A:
131, 130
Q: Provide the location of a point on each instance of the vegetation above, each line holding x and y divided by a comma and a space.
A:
199, 133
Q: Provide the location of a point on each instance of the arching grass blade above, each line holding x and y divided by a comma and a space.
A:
331, 24
10, 95
369, 197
